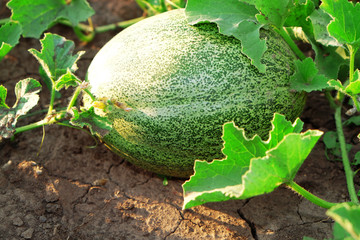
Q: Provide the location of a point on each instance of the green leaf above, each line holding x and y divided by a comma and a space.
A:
67, 80
320, 20
332, 146
251, 166
340, 233
98, 125
274, 12
357, 162
353, 120
306, 77
27, 97
344, 27
298, 16
9, 37
330, 139
56, 55
3, 94
234, 18
347, 216
37, 16
352, 89
328, 61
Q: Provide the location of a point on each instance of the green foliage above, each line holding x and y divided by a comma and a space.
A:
27, 97
69, 79
344, 27
9, 37
252, 166
332, 146
45, 12
56, 56
306, 77
97, 125
347, 218
234, 18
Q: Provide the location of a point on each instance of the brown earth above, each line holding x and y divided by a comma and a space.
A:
68, 190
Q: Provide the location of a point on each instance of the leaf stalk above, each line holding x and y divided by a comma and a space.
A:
290, 42
309, 196
52, 98
74, 98
349, 174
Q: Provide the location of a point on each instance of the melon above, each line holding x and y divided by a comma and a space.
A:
182, 84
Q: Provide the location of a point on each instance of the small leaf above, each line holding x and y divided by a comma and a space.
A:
306, 77
336, 84
353, 88
353, 120
56, 55
3, 94
251, 166
332, 146
37, 16
330, 139
347, 215
9, 37
234, 18
26, 92
27, 97
344, 27
98, 125
357, 160
67, 80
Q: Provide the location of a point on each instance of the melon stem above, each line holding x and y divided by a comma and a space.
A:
290, 42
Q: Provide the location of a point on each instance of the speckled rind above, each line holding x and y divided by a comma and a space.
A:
183, 82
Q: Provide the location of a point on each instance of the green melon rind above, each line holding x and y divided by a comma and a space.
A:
183, 83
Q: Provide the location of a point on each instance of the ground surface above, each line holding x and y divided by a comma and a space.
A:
69, 191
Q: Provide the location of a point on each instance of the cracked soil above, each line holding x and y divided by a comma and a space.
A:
68, 190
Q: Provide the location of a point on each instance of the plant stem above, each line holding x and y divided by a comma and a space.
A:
290, 42
352, 52
309, 196
349, 174
33, 126
74, 98
52, 98
93, 98
105, 28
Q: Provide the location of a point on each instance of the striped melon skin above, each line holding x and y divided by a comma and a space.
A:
183, 83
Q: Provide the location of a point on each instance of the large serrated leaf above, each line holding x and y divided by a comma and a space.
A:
36, 16
252, 166
56, 55
344, 27
27, 97
320, 20
234, 18
9, 37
